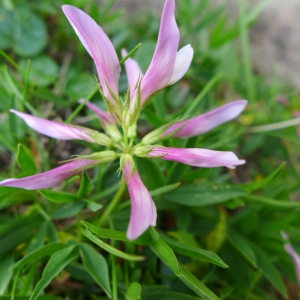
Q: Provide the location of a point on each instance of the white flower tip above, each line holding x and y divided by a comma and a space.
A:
124, 52
284, 235
80, 100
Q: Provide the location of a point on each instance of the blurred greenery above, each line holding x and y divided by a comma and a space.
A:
218, 233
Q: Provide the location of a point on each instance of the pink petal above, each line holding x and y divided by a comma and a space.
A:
143, 210
98, 46
161, 67
105, 117
198, 157
296, 258
294, 255
133, 71
54, 129
182, 63
50, 178
208, 121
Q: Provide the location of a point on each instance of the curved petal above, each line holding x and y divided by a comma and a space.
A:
50, 178
143, 210
294, 255
197, 157
161, 67
54, 129
208, 121
133, 71
99, 47
182, 63
105, 117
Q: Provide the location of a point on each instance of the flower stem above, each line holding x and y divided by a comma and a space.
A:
201, 95
79, 107
274, 126
130, 54
109, 209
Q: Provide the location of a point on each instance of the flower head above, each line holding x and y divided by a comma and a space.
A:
168, 65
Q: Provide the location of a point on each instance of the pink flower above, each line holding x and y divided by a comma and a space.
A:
143, 210
168, 65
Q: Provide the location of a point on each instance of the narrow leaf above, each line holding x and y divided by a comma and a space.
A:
242, 245
165, 189
166, 254
144, 239
93, 206
194, 252
25, 160
55, 265
196, 285
204, 193
58, 197
41, 252
5, 272
252, 186
111, 249
86, 186
271, 202
96, 265
268, 270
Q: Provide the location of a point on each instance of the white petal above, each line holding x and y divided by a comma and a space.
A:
182, 63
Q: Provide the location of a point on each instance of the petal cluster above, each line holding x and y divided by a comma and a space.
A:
168, 65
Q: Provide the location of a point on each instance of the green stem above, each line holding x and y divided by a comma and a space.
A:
12, 62
201, 95
130, 54
79, 107
246, 52
109, 209
275, 126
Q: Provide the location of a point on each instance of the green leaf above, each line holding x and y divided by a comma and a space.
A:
93, 206
252, 186
134, 291
55, 265
204, 193
25, 160
38, 253
5, 272
18, 232
165, 253
144, 239
22, 30
167, 295
96, 265
43, 70
86, 186
271, 202
39, 239
58, 197
165, 189
68, 210
194, 252
242, 245
196, 285
150, 173
111, 249
268, 270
